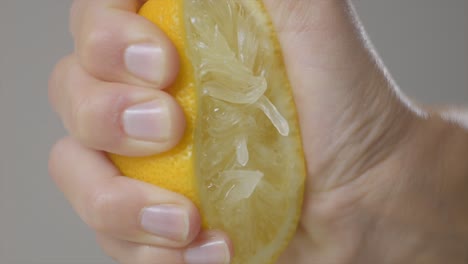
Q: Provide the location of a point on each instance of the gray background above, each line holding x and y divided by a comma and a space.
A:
423, 42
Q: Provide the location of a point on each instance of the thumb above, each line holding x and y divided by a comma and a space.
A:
348, 105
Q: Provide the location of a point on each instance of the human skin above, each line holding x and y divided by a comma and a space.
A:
387, 180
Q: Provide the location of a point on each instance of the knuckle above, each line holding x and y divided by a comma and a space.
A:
61, 66
58, 78
98, 46
113, 102
98, 205
79, 116
57, 152
96, 119
95, 40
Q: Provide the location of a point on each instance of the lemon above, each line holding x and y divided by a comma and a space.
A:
240, 160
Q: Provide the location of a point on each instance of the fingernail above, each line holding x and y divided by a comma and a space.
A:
212, 252
166, 221
145, 61
147, 121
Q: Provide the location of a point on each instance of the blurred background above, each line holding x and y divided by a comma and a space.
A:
424, 43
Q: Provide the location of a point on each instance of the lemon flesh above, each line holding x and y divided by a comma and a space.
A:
248, 158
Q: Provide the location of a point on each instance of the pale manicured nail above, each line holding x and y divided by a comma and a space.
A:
148, 121
146, 61
212, 252
166, 221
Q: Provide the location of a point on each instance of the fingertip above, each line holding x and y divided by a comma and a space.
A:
177, 223
58, 77
211, 247
116, 46
159, 123
156, 63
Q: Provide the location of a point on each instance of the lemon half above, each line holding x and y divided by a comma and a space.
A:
240, 160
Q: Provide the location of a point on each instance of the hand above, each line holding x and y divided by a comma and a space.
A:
111, 100
386, 180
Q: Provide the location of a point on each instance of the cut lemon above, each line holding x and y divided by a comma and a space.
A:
241, 160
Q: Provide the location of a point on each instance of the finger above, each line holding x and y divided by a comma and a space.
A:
209, 248
115, 44
117, 118
118, 206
